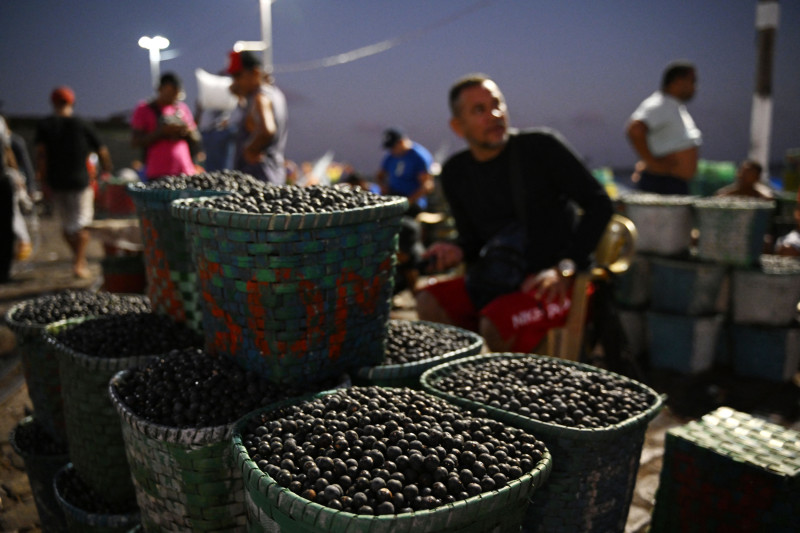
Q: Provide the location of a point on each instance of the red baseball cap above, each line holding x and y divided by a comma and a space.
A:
239, 61
62, 95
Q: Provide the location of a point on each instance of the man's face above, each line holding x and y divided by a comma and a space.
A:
748, 175
481, 117
687, 86
245, 82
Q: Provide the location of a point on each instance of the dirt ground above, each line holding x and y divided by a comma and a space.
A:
49, 269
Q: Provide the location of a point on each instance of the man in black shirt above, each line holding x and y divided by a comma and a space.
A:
63, 143
506, 179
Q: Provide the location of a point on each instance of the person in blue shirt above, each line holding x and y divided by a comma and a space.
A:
406, 170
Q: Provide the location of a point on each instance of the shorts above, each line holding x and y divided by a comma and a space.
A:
516, 315
74, 208
662, 184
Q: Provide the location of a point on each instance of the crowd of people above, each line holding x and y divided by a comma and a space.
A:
515, 194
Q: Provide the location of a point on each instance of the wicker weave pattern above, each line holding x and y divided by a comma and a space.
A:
269, 504
310, 300
732, 235
94, 436
594, 470
185, 479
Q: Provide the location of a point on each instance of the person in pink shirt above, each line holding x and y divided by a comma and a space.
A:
165, 130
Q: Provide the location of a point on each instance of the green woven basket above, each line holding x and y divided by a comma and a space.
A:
40, 367
169, 267
732, 229
81, 521
41, 469
94, 436
272, 508
295, 297
594, 470
407, 375
185, 479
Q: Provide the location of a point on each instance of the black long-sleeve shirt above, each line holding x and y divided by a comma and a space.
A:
481, 199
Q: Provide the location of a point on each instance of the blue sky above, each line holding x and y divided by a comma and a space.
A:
578, 66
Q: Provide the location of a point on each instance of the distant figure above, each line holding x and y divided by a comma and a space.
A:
748, 182
218, 138
63, 144
789, 244
165, 130
263, 129
406, 170
664, 135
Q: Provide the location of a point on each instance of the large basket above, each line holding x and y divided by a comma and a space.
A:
169, 268
295, 297
272, 508
632, 287
94, 436
594, 470
765, 352
686, 287
407, 375
767, 296
83, 521
732, 229
41, 469
663, 222
185, 479
686, 344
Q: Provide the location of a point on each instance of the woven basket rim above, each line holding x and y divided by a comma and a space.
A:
657, 200
170, 434
396, 371
728, 204
119, 520
536, 426
687, 262
140, 191
529, 481
186, 209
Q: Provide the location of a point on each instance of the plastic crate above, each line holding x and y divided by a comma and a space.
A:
732, 229
767, 296
686, 287
663, 222
765, 352
729, 471
594, 470
632, 287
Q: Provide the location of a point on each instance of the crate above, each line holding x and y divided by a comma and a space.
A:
729, 471
40, 468
634, 326
185, 478
765, 352
686, 287
683, 343
272, 508
632, 287
732, 229
407, 375
295, 297
594, 470
663, 222
767, 296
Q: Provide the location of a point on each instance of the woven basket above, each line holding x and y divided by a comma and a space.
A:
765, 352
729, 471
768, 296
81, 521
295, 297
732, 229
185, 479
94, 436
686, 344
41, 469
407, 375
663, 222
272, 508
686, 287
594, 470
169, 268
632, 287
40, 367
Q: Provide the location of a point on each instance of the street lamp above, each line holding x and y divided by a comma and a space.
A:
154, 45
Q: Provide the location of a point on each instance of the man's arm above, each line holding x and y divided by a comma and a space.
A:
425, 187
105, 159
265, 129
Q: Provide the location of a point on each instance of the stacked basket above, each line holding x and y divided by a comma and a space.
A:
594, 470
295, 296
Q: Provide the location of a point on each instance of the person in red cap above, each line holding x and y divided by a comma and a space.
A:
262, 132
165, 130
63, 143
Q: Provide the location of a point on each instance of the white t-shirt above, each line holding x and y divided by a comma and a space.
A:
670, 127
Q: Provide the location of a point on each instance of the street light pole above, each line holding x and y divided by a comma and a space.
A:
767, 14
266, 33
154, 45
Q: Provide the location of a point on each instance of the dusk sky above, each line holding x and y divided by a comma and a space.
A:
579, 66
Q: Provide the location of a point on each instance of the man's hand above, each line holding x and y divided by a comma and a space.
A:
253, 156
443, 255
547, 285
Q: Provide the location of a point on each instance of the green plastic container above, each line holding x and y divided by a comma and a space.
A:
185, 479
272, 508
594, 471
